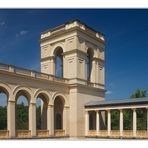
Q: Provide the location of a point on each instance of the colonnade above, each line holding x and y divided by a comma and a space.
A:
121, 133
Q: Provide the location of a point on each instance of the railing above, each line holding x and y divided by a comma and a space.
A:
142, 134
23, 133
42, 133
127, 133
103, 133
115, 133
4, 134
31, 73
92, 133
59, 133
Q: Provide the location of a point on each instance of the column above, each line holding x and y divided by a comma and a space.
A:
108, 122
86, 123
65, 120
11, 118
97, 122
134, 122
121, 123
32, 119
50, 120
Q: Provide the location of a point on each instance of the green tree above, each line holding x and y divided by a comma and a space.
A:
139, 94
141, 113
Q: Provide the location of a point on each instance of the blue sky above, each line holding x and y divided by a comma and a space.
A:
126, 50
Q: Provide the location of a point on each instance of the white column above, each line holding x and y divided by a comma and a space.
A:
32, 119
50, 120
134, 122
108, 122
97, 122
86, 123
121, 123
11, 118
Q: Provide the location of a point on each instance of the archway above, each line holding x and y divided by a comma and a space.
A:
59, 62
58, 113
3, 108
41, 112
22, 110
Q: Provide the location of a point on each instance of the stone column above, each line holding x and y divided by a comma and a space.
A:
32, 119
97, 122
65, 120
86, 123
134, 122
50, 120
121, 123
108, 122
43, 115
11, 118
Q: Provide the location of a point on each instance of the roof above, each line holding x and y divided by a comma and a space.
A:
105, 103
75, 20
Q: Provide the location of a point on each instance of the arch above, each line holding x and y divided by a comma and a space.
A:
22, 90
5, 88
42, 93
4, 95
41, 111
58, 113
58, 54
55, 47
60, 94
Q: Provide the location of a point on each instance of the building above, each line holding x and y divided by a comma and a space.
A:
71, 87
72, 74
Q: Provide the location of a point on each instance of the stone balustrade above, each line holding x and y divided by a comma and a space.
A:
92, 133
31, 73
115, 133
127, 133
4, 134
59, 133
23, 134
42, 133
142, 134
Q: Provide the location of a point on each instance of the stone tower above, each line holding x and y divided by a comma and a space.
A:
75, 51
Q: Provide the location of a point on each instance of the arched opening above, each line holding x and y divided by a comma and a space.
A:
22, 110
41, 112
92, 120
89, 64
3, 108
59, 62
58, 113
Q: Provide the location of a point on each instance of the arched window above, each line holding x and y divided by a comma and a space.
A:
89, 64
41, 112
58, 113
59, 62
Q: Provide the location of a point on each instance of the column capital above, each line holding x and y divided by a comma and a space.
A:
134, 109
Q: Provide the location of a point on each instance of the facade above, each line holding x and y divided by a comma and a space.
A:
72, 74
